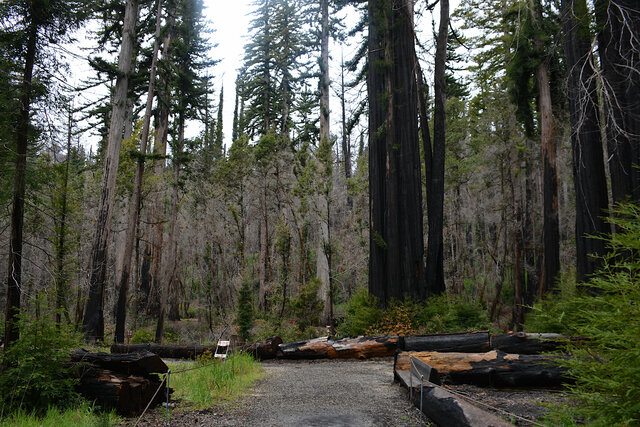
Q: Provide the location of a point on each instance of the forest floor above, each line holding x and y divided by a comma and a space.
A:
335, 393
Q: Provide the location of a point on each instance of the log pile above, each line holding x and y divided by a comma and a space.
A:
493, 368
124, 382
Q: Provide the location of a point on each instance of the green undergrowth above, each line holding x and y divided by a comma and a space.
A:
442, 313
81, 416
605, 312
215, 380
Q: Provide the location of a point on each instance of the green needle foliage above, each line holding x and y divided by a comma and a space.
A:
606, 311
35, 376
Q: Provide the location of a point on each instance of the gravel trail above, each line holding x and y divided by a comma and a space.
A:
312, 393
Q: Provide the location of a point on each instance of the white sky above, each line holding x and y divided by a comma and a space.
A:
230, 20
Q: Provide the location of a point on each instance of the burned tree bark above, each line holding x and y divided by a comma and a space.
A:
134, 206
93, 321
396, 266
588, 163
435, 185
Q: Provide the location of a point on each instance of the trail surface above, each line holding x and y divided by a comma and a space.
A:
313, 393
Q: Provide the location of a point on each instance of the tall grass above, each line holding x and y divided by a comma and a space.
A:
83, 415
216, 380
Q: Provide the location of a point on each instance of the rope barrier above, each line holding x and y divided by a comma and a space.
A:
486, 405
166, 378
463, 395
152, 399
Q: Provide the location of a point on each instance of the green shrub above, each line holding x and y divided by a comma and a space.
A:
606, 311
362, 312
142, 336
286, 329
307, 307
36, 377
244, 309
444, 313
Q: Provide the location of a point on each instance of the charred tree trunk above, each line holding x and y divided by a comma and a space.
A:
493, 368
396, 265
134, 205
435, 188
93, 321
588, 162
619, 23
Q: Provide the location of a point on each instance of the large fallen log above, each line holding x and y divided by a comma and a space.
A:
363, 347
443, 407
528, 343
465, 342
347, 348
165, 351
493, 368
265, 349
124, 382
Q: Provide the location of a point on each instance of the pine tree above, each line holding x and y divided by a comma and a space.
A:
39, 24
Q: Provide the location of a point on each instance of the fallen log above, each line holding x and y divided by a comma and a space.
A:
528, 343
465, 342
363, 347
165, 351
316, 348
493, 368
266, 349
445, 408
140, 363
124, 382
347, 348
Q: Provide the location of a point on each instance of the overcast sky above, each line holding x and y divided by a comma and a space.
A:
230, 20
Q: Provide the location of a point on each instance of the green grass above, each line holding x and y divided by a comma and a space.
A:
83, 415
222, 380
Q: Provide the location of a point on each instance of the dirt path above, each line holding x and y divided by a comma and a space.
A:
313, 393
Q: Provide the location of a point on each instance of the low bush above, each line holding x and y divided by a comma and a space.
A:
443, 313
36, 376
142, 336
307, 307
362, 313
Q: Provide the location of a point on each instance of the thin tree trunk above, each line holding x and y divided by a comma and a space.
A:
93, 321
346, 144
14, 269
588, 162
160, 149
134, 205
61, 246
551, 227
435, 195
